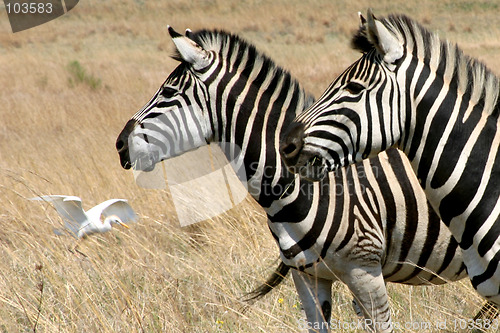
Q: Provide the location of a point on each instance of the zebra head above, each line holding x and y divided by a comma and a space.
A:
174, 120
337, 130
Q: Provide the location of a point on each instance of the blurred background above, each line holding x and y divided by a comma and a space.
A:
67, 89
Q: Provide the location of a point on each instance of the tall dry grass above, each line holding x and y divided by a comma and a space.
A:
57, 136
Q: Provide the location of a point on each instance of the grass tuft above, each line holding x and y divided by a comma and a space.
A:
78, 75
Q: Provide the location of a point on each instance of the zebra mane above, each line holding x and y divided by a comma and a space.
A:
470, 76
227, 44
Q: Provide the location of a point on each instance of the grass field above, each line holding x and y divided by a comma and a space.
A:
67, 89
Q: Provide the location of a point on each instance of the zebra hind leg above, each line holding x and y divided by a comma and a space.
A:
356, 308
316, 297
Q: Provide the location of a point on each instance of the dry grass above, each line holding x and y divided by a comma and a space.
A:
57, 137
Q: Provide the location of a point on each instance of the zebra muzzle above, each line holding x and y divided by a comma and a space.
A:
122, 145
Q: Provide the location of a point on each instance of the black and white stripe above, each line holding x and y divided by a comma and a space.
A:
362, 225
423, 95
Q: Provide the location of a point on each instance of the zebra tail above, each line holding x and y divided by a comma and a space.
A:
272, 282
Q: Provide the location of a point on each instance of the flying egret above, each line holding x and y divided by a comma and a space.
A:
81, 223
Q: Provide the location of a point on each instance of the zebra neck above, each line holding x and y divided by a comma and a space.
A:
254, 127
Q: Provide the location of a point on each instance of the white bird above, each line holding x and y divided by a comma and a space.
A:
81, 223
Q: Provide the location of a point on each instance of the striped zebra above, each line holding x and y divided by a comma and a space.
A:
361, 225
411, 90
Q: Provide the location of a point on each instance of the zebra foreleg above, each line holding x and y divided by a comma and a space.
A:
368, 288
316, 297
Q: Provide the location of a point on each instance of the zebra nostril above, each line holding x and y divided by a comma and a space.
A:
120, 145
122, 140
293, 142
289, 149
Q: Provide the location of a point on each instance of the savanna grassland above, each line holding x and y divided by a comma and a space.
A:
67, 89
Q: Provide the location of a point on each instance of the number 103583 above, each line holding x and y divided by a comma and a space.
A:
481, 324
29, 7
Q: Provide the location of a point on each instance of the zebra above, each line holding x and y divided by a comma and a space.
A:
364, 225
413, 91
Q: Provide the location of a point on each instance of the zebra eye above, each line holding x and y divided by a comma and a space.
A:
354, 88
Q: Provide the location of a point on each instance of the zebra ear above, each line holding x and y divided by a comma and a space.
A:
386, 42
189, 51
362, 20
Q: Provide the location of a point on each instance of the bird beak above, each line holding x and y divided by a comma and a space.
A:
124, 225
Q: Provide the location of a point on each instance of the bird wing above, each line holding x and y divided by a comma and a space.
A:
70, 209
118, 207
